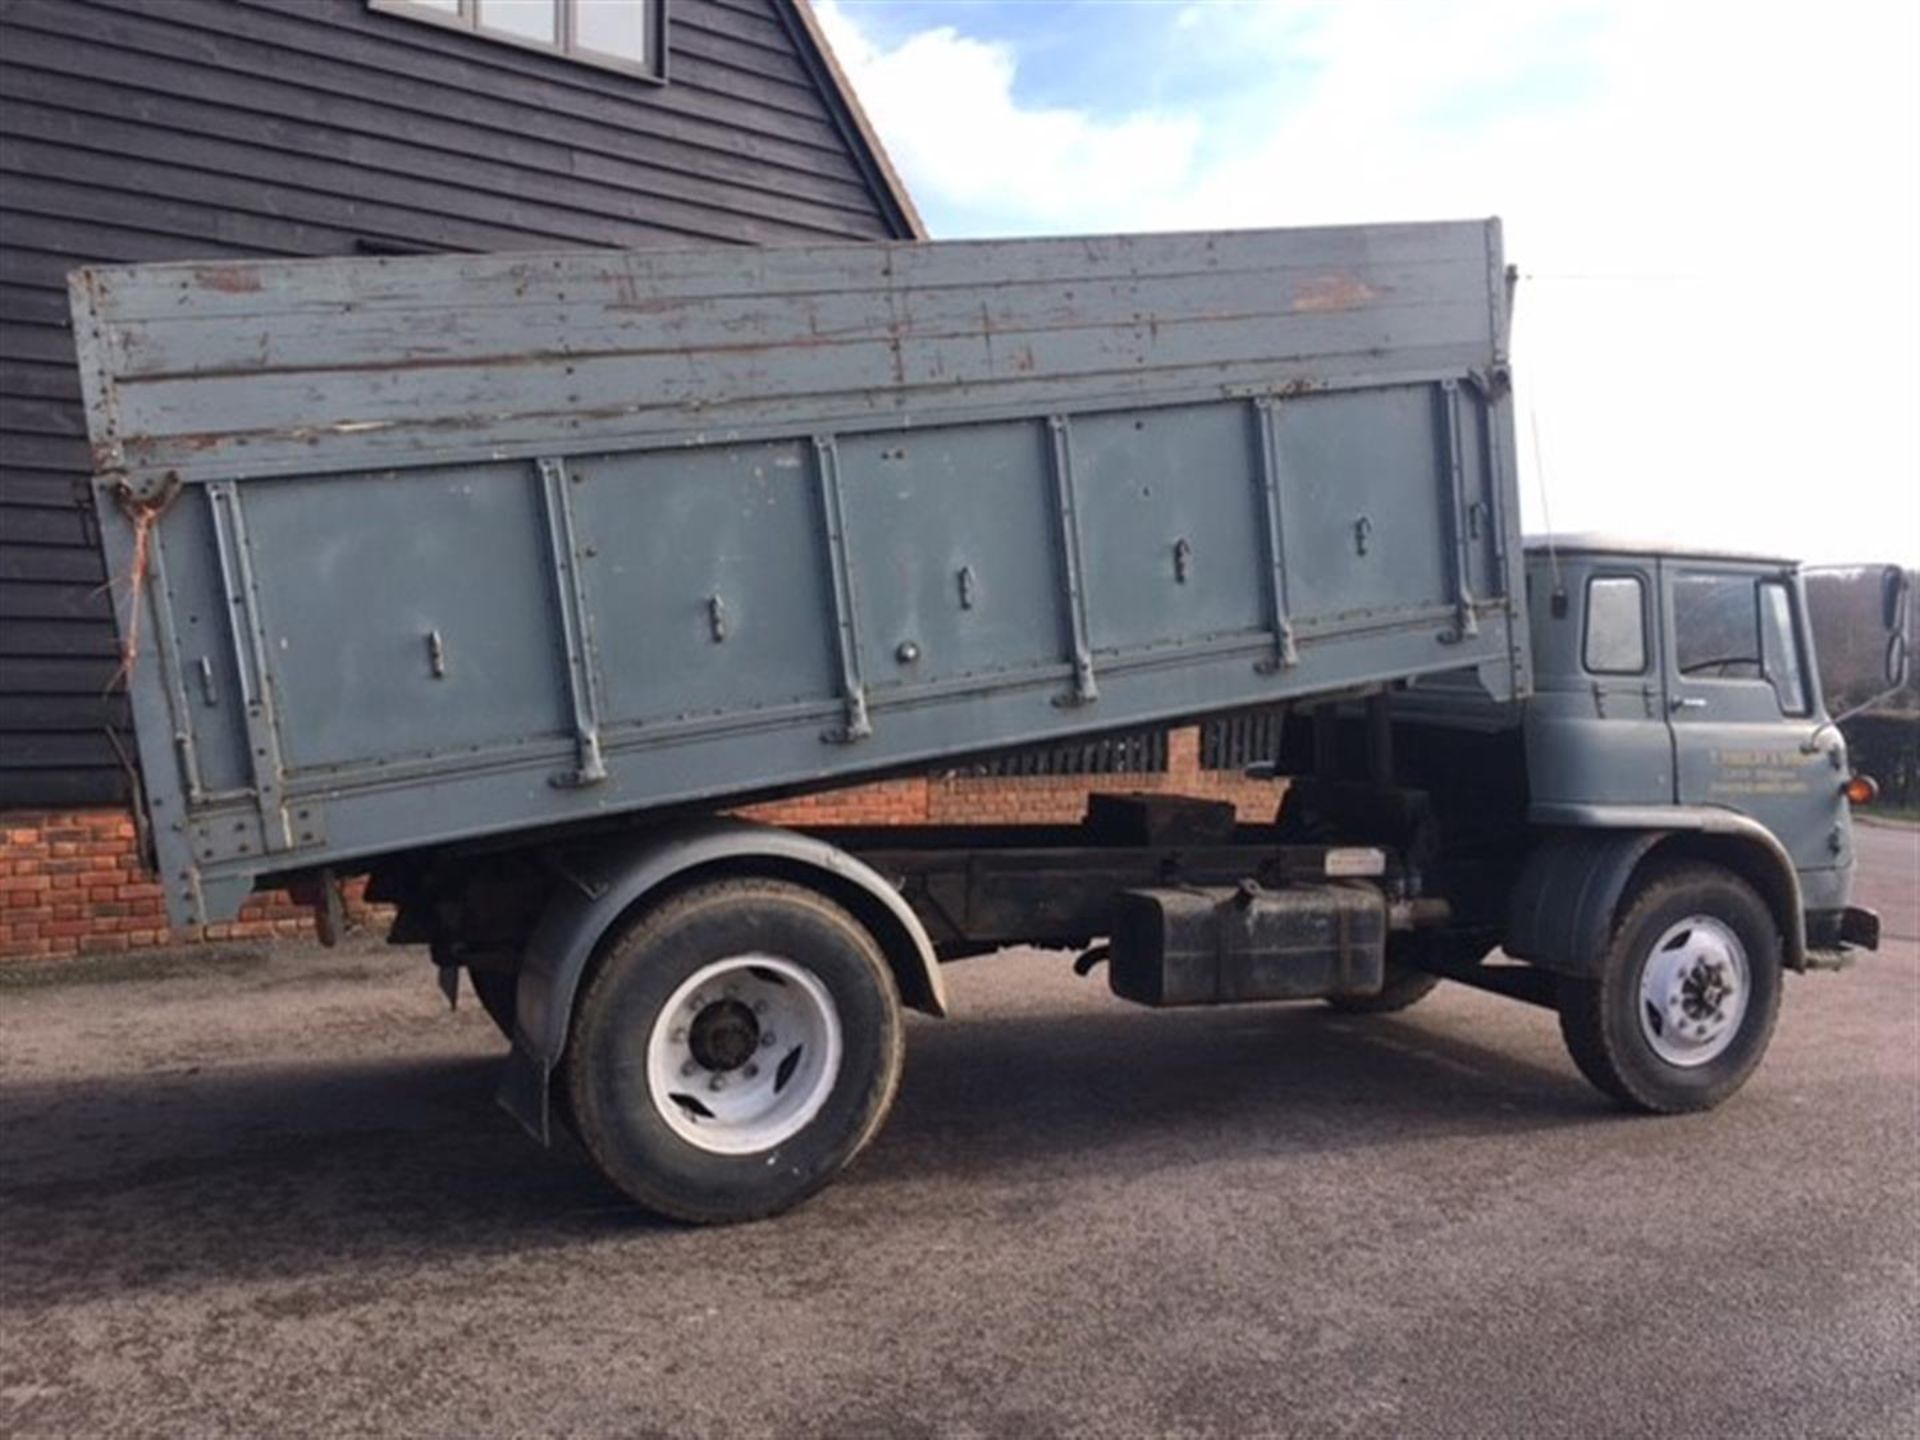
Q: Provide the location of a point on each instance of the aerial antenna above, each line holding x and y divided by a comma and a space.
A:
1559, 601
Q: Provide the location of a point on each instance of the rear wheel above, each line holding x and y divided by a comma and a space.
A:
1404, 986
734, 1050
1687, 994
1406, 982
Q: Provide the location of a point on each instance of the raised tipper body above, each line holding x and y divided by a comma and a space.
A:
498, 578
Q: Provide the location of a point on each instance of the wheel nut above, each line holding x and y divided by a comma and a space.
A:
690, 1068
698, 1002
719, 1082
751, 1071
676, 1036
767, 1041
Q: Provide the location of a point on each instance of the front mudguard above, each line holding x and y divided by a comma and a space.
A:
1585, 857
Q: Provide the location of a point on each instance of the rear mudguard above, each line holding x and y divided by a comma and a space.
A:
1585, 856
604, 885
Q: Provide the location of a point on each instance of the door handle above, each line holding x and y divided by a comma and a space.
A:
1685, 702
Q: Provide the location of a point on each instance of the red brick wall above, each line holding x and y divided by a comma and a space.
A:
1026, 799
72, 883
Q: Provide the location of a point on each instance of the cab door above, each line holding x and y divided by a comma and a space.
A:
1743, 706
1597, 729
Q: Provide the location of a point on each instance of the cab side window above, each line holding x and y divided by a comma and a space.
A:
1739, 627
1716, 627
1780, 650
1616, 639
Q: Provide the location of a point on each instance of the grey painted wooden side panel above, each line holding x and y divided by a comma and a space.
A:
276, 368
134, 131
454, 546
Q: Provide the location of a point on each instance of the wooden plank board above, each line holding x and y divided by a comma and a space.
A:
240, 369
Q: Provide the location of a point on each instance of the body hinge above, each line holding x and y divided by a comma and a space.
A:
1060, 450
173, 675
1466, 622
570, 589
249, 637
855, 723
1285, 651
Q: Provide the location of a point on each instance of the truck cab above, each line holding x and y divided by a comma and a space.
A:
1659, 831
1684, 681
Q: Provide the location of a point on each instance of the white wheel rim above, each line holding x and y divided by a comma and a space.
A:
1693, 991
744, 1054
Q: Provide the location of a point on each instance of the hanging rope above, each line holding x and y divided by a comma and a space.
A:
145, 514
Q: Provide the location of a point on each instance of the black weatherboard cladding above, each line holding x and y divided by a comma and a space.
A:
135, 130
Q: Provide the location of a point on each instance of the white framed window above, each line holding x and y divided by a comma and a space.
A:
1616, 642
624, 35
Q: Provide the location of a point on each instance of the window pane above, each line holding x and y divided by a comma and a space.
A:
1716, 627
612, 27
522, 19
1782, 655
445, 7
1616, 627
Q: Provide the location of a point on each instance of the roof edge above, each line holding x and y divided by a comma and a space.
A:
875, 164
1583, 542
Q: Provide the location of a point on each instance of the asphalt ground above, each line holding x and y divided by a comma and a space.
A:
268, 1194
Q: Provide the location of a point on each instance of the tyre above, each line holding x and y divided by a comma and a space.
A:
1686, 997
733, 1051
495, 990
1404, 986
1406, 983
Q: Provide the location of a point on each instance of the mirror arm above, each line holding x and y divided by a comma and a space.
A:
1862, 707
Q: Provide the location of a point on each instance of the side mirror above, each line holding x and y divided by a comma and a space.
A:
1893, 598
1893, 615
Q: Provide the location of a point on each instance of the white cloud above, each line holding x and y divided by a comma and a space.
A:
946, 110
1719, 207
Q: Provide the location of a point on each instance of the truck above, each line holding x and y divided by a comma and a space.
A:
501, 581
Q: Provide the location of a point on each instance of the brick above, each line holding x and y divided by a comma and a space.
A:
86, 861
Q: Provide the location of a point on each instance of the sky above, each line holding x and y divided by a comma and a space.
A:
1715, 208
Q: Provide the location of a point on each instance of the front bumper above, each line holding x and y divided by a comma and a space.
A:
1835, 932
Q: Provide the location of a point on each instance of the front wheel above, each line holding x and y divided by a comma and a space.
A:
1686, 996
734, 1050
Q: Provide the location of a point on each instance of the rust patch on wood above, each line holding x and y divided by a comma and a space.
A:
1332, 292
228, 279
